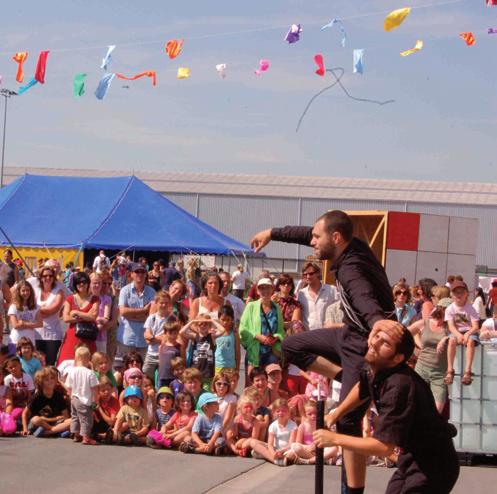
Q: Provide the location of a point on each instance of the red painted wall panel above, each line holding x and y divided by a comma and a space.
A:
403, 231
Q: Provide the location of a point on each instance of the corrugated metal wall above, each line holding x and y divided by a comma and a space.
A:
241, 217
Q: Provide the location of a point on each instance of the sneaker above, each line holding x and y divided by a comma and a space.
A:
256, 455
301, 461
281, 462
150, 442
39, 432
135, 440
109, 437
219, 450
186, 447
65, 434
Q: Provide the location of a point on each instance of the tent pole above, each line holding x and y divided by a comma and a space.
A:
77, 255
17, 252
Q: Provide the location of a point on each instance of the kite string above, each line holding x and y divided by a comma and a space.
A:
333, 72
242, 31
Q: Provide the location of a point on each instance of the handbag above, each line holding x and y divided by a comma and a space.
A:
86, 330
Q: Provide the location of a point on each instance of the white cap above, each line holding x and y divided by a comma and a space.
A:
264, 281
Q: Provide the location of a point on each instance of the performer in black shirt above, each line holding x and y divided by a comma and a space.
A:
407, 418
367, 302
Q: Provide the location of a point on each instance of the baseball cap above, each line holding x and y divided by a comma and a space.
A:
444, 302
264, 281
272, 367
458, 284
136, 266
206, 398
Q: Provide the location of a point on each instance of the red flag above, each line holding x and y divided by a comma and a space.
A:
468, 38
20, 58
320, 63
491, 3
41, 66
173, 47
148, 73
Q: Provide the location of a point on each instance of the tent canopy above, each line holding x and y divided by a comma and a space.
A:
103, 213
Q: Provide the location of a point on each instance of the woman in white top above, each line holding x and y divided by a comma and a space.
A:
50, 297
24, 314
479, 304
211, 301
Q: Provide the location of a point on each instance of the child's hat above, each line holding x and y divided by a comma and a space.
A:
164, 390
206, 398
132, 371
458, 284
133, 391
272, 367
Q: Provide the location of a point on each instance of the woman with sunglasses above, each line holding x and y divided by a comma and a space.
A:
290, 307
49, 297
82, 306
402, 296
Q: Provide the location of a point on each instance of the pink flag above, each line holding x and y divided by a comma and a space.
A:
263, 66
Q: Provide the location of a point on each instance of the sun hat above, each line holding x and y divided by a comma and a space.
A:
265, 281
133, 391
206, 398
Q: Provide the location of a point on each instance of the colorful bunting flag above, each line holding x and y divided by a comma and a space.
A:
29, 85
417, 47
107, 59
79, 84
320, 63
395, 18
173, 47
183, 73
341, 27
293, 35
492, 30
468, 38
148, 73
491, 3
359, 61
41, 66
263, 66
103, 86
221, 70
20, 57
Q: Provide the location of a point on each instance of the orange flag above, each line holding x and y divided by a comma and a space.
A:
148, 73
469, 38
173, 47
20, 58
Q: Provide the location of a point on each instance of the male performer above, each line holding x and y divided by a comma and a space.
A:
367, 303
407, 418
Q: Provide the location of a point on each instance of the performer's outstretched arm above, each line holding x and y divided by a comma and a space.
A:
291, 234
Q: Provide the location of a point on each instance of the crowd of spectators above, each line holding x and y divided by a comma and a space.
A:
175, 356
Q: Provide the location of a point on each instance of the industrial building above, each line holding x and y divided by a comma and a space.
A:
240, 205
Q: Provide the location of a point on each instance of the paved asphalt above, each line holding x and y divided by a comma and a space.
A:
57, 466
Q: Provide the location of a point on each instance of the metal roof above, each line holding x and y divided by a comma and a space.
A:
470, 193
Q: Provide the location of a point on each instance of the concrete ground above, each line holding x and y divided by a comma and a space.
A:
57, 466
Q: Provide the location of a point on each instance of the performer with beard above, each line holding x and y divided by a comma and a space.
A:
407, 418
367, 302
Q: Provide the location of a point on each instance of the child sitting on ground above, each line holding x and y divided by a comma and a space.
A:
303, 450
106, 410
221, 387
7, 423
149, 399
82, 385
207, 431
164, 412
464, 324
281, 434
178, 429
132, 420
21, 386
25, 351
47, 413
245, 428
177, 368
262, 413
131, 377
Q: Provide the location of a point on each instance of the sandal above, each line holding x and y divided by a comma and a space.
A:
449, 377
89, 442
467, 379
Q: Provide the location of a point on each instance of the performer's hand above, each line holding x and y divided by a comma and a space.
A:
330, 419
393, 328
260, 240
324, 438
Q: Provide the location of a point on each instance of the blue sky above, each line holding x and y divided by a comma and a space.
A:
441, 127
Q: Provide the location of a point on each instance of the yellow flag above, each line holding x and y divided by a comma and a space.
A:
417, 47
183, 73
396, 18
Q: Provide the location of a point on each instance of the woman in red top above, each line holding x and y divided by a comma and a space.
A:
290, 307
79, 307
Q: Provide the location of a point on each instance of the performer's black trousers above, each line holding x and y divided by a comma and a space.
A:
344, 347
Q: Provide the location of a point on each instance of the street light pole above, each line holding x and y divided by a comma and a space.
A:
6, 93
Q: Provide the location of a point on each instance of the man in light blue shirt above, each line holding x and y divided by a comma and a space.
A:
134, 307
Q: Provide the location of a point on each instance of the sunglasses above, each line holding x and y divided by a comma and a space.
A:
222, 383
402, 292
285, 283
309, 273
47, 276
136, 376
